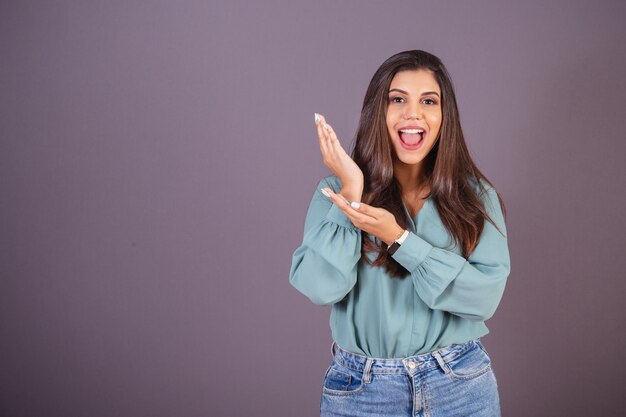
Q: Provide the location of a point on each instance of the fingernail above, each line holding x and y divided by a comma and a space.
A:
355, 205
325, 192
317, 117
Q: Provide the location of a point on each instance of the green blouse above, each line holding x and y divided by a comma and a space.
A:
445, 299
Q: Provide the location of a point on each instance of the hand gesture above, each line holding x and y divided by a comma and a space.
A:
373, 220
336, 158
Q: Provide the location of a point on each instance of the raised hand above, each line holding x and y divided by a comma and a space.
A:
338, 161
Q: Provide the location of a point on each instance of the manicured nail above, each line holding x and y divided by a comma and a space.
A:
317, 118
355, 205
325, 192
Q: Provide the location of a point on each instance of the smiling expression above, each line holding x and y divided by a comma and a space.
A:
413, 114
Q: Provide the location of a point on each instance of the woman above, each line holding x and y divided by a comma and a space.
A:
407, 242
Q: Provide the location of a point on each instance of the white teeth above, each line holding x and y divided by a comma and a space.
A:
411, 131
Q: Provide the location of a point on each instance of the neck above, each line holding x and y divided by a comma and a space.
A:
410, 177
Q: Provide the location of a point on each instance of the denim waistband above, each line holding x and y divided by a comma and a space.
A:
409, 365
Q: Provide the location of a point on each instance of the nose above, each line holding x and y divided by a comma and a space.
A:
412, 111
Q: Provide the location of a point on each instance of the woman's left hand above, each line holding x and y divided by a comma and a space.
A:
373, 220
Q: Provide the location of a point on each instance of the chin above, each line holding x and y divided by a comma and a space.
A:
411, 161
408, 158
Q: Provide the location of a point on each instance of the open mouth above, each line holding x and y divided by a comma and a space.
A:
411, 138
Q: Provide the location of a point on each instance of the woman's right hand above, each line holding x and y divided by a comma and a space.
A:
339, 162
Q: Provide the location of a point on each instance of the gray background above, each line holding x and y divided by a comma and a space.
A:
157, 160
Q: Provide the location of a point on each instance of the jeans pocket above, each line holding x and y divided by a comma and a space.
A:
470, 364
339, 380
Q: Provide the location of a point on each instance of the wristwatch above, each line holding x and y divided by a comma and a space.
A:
395, 245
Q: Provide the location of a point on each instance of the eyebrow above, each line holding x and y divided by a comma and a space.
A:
424, 93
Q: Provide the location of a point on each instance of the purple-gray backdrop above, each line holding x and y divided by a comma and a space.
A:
157, 160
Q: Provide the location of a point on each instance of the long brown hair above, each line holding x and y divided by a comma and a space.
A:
448, 168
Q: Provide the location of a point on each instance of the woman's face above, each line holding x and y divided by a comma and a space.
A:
413, 114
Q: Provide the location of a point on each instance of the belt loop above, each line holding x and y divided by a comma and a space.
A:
333, 347
441, 362
367, 374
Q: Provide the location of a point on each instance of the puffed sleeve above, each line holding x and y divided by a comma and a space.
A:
470, 288
324, 266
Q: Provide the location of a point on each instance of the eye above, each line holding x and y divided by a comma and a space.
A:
396, 100
430, 101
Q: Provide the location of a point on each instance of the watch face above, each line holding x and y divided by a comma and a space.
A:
393, 248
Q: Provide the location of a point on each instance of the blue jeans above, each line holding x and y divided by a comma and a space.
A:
456, 380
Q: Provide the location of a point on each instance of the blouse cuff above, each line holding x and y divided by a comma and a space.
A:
336, 215
412, 252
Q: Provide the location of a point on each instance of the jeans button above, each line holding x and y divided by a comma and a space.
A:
411, 365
